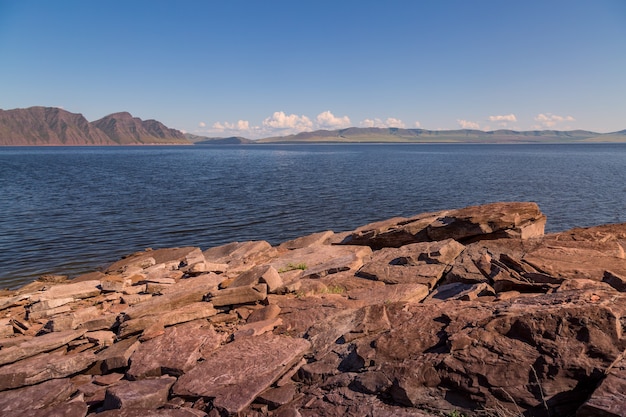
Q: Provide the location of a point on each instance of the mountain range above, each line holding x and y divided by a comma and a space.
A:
44, 126
47, 126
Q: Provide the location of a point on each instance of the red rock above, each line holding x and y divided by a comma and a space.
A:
319, 261
73, 409
74, 320
187, 291
117, 355
489, 221
142, 412
102, 338
268, 312
609, 399
77, 290
275, 397
108, 379
305, 241
46, 394
38, 345
240, 256
258, 275
413, 293
237, 373
257, 328
173, 353
151, 257
417, 263
523, 220
42, 368
238, 295
395, 232
146, 394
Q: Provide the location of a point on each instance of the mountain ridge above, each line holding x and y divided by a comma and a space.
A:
373, 135
53, 126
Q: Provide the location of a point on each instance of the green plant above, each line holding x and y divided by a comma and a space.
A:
334, 289
291, 267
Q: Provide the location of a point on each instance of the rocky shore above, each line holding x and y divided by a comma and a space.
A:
473, 311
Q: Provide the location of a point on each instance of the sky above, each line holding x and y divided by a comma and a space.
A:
270, 68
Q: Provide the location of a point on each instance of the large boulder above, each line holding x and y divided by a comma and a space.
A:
497, 220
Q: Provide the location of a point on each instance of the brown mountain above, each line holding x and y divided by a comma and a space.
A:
124, 129
48, 126
54, 126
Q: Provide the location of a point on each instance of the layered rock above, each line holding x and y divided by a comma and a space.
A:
470, 311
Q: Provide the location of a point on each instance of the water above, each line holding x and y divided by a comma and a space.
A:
71, 210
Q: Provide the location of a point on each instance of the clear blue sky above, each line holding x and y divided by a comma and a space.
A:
260, 68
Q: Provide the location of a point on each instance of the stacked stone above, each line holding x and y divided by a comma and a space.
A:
472, 310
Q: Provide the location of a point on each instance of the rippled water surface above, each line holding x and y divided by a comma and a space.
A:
72, 210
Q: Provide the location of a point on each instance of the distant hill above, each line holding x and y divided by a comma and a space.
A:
203, 140
355, 134
54, 126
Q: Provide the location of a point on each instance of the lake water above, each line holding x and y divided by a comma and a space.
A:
69, 210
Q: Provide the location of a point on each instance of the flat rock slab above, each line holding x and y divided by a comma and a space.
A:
42, 368
238, 295
413, 293
84, 289
417, 263
183, 314
185, 292
588, 262
142, 412
173, 353
319, 261
38, 345
150, 257
42, 395
237, 373
147, 393
73, 409
240, 256
305, 241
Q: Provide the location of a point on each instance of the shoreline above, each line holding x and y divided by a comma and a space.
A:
438, 312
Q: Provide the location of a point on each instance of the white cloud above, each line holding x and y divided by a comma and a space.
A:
503, 118
280, 120
390, 122
201, 124
466, 124
241, 125
418, 124
330, 121
551, 120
